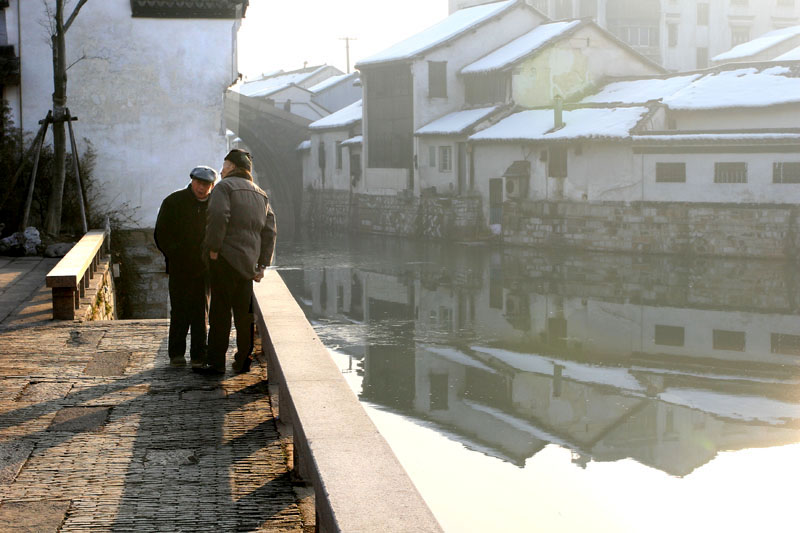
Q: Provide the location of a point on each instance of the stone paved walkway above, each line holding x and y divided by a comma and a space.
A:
98, 434
24, 298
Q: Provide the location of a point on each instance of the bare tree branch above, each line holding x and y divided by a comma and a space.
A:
77, 61
74, 14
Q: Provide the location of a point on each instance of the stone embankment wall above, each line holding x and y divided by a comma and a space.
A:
143, 286
99, 302
732, 230
432, 217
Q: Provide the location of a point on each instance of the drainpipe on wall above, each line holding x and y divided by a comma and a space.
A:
558, 104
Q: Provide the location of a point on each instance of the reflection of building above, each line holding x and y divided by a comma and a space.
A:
514, 351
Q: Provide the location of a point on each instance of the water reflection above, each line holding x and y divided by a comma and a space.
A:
662, 361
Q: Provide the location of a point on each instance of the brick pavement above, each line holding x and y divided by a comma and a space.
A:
24, 298
98, 434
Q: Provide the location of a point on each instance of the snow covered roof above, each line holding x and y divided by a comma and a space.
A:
588, 123
791, 55
759, 44
744, 87
453, 26
305, 145
736, 138
358, 139
341, 119
456, 123
330, 82
506, 56
640, 91
273, 84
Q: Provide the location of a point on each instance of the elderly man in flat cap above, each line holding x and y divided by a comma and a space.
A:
240, 238
180, 233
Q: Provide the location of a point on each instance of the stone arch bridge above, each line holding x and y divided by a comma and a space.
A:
272, 136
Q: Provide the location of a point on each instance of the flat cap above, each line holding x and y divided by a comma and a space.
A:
204, 173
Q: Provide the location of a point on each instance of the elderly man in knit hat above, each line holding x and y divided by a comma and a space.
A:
180, 233
240, 238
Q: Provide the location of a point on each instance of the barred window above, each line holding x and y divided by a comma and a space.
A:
784, 343
670, 172
445, 159
785, 172
730, 172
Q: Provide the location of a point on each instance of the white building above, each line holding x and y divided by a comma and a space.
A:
332, 157
292, 91
147, 83
337, 91
726, 136
782, 44
679, 34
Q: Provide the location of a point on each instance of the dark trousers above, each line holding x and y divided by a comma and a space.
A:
230, 292
188, 298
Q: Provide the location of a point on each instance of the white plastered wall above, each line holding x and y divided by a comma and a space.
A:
149, 95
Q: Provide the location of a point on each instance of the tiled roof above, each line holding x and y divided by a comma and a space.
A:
189, 8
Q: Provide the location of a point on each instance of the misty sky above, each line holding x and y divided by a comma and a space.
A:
282, 34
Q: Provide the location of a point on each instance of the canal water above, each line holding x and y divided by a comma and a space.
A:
527, 390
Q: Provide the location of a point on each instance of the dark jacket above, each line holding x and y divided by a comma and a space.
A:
241, 224
180, 231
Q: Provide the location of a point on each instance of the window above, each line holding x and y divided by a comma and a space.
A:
785, 344
431, 156
670, 172
785, 172
729, 340
672, 34
437, 79
638, 35
486, 89
557, 162
339, 155
785, 2
445, 158
739, 35
702, 14
702, 57
588, 8
669, 335
730, 172
321, 156
738, 2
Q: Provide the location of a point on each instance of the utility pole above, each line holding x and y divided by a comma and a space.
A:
347, 48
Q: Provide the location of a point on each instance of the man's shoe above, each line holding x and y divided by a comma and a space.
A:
211, 370
177, 361
197, 363
242, 366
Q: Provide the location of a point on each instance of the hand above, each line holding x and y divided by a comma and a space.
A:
259, 275
213, 255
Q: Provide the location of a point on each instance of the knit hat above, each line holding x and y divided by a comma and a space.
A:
203, 173
240, 158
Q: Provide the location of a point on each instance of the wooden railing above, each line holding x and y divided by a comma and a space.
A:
70, 278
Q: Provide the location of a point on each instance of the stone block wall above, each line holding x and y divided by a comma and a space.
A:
432, 217
731, 230
99, 302
143, 286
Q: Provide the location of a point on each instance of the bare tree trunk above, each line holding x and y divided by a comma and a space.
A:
52, 225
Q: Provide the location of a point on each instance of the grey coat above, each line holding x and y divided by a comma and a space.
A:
241, 225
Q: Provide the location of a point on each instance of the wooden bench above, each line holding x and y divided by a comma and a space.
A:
69, 279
